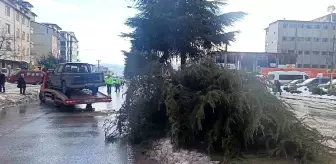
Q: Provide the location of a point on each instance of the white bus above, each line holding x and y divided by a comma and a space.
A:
285, 77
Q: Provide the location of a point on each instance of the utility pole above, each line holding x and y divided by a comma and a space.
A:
332, 61
98, 65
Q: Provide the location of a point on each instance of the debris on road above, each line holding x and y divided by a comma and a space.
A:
13, 96
163, 151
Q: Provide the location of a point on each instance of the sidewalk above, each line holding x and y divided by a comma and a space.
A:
13, 96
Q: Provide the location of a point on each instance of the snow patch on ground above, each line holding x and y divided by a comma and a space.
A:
13, 96
163, 152
319, 111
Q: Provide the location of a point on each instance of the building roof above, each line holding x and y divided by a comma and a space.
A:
52, 24
325, 16
27, 3
300, 21
71, 33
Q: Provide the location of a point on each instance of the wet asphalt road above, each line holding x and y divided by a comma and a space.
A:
41, 134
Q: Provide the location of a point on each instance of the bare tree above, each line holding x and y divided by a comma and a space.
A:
7, 49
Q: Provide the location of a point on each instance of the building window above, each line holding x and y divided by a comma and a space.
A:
62, 53
299, 52
8, 28
291, 51
28, 37
28, 23
292, 25
323, 66
324, 52
309, 26
331, 39
331, 53
292, 38
316, 52
18, 33
17, 16
23, 35
266, 44
299, 66
334, 27
23, 51
300, 38
317, 26
306, 52
284, 51
284, 38
325, 39
28, 53
308, 39
301, 25
314, 66
285, 25
325, 26
18, 49
316, 39
7, 11
306, 66
8, 45
23, 19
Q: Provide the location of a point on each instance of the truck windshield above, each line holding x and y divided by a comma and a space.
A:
76, 68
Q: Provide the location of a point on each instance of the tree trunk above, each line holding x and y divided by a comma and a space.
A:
183, 60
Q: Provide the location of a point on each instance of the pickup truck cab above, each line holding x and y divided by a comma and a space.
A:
75, 76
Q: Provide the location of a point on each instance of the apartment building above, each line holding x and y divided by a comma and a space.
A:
69, 46
46, 39
15, 29
311, 42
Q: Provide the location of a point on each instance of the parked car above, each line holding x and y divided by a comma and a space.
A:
72, 76
291, 85
313, 81
285, 77
333, 82
31, 77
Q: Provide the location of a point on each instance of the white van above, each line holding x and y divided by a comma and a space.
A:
285, 77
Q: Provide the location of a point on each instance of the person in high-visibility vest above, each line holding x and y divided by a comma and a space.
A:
117, 84
109, 83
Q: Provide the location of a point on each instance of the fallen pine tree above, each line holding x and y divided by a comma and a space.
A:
219, 111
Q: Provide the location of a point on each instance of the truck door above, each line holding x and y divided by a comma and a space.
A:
56, 76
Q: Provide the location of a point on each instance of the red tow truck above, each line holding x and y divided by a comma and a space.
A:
75, 97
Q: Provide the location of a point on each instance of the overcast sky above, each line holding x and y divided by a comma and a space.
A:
98, 23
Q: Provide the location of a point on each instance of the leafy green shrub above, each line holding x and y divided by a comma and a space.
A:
227, 110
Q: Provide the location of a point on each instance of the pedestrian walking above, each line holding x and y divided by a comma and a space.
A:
117, 84
2, 82
109, 83
278, 86
22, 85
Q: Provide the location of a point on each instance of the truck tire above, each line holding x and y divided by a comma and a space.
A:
64, 87
94, 91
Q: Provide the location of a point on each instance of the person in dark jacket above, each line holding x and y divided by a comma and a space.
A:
22, 85
2, 82
278, 86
